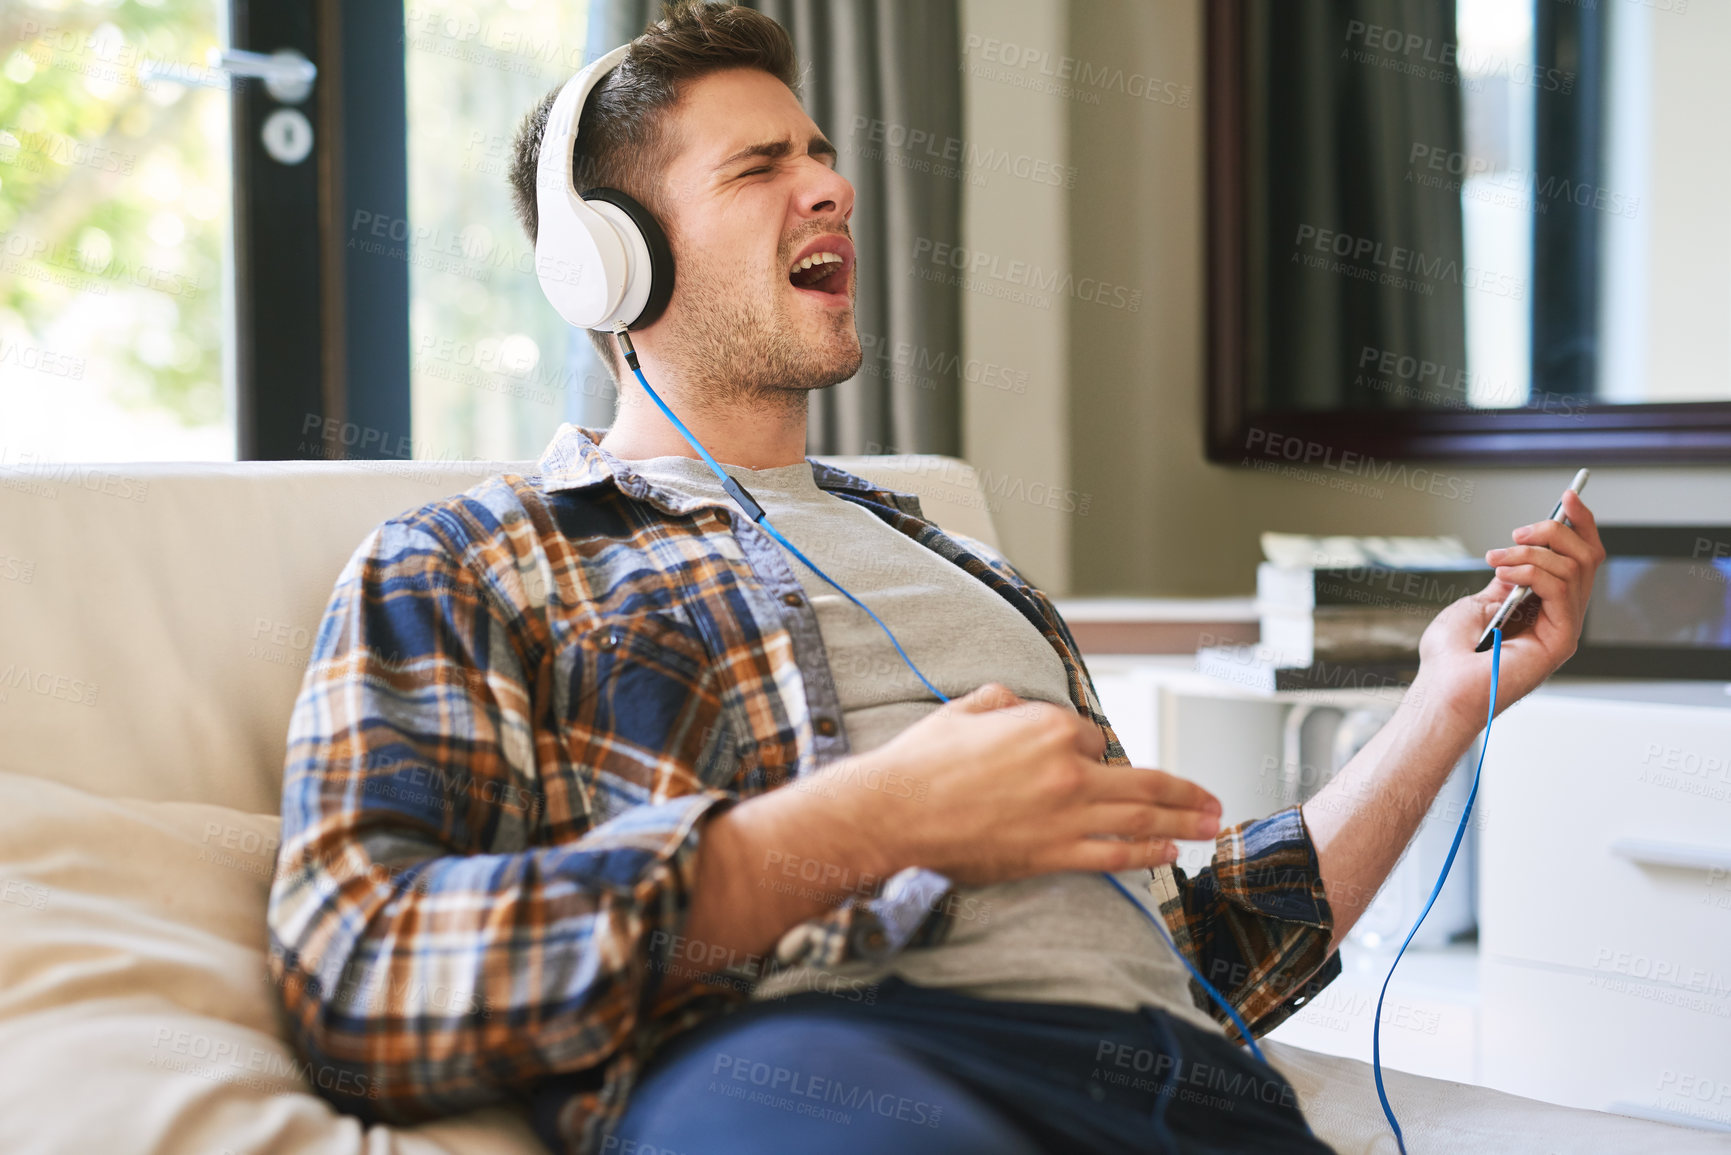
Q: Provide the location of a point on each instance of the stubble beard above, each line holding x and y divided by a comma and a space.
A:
740, 348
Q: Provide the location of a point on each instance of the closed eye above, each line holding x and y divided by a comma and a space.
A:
754, 171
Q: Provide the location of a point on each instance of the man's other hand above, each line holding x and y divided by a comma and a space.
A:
992, 788
1558, 562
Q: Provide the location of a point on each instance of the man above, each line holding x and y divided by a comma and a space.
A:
596, 799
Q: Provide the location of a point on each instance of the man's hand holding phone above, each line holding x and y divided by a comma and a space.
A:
1558, 563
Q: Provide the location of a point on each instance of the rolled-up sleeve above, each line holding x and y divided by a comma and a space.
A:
1255, 921
430, 955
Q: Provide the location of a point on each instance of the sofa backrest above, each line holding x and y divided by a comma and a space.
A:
156, 619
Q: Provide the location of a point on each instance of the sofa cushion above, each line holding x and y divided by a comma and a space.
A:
136, 1013
155, 620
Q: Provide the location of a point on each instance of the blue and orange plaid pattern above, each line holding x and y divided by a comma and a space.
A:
522, 703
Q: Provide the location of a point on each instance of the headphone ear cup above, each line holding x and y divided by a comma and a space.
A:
660, 254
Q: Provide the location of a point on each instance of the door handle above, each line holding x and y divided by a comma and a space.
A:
288, 76
1658, 852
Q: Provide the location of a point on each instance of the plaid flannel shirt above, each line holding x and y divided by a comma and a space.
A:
522, 703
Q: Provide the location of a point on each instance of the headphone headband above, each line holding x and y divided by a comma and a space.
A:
555, 171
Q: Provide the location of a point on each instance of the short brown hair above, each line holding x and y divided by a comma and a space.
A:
620, 139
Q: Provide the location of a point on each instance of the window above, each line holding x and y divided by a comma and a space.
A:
176, 288
493, 369
115, 333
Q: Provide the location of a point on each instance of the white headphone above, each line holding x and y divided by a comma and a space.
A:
600, 256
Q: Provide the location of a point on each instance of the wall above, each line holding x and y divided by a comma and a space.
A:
1160, 520
1688, 219
1015, 408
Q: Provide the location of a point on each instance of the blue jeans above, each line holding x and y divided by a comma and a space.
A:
921, 1070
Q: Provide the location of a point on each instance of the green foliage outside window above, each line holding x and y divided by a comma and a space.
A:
114, 199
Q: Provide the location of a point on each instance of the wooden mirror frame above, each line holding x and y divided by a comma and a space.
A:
1667, 433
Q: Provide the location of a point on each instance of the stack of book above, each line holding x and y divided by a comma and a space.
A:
1345, 613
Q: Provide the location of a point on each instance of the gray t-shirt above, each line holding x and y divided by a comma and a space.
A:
1064, 938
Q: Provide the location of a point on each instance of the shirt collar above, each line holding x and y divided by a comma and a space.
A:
575, 459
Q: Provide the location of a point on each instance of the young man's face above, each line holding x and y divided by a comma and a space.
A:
752, 190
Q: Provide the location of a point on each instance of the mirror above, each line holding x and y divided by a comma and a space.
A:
1470, 228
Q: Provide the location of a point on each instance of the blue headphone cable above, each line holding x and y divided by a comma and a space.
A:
756, 513
1460, 832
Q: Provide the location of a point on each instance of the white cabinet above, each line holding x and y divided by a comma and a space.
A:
1605, 906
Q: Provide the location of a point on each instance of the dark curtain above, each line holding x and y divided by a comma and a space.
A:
1331, 126
892, 66
1569, 147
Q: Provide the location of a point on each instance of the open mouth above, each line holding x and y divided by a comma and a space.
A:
823, 268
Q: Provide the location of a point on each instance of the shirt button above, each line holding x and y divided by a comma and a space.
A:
791, 599
607, 640
875, 940
826, 727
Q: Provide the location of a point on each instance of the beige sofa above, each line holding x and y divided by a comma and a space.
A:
155, 621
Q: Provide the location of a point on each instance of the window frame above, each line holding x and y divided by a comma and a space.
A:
321, 328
